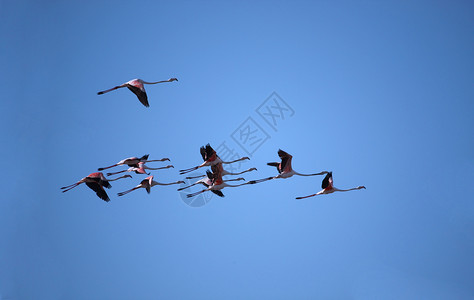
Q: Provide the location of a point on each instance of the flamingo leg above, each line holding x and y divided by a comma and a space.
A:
109, 90
70, 187
181, 172
194, 177
131, 190
183, 188
307, 196
110, 174
197, 193
261, 180
100, 169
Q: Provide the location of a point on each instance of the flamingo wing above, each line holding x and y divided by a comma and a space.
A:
285, 160
203, 153
140, 170
210, 175
218, 193
99, 190
141, 94
100, 179
275, 164
327, 181
209, 151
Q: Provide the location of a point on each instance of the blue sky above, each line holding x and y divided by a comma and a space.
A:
382, 96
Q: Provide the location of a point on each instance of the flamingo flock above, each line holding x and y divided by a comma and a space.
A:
212, 180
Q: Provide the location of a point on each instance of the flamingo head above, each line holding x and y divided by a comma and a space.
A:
169, 166
173, 79
127, 176
361, 187
240, 178
179, 182
252, 169
246, 157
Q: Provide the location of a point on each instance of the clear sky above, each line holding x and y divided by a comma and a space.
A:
379, 92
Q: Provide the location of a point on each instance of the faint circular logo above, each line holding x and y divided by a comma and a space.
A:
198, 200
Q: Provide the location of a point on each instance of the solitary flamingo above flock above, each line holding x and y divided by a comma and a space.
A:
212, 180
138, 88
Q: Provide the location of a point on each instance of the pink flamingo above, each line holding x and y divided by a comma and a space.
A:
138, 88
217, 184
132, 162
210, 158
224, 172
147, 184
284, 168
140, 169
96, 182
207, 182
328, 188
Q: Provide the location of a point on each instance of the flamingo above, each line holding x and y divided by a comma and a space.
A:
210, 158
207, 182
328, 188
138, 88
140, 169
217, 184
284, 168
147, 184
96, 182
224, 172
132, 162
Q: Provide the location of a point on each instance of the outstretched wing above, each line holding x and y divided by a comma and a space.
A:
99, 190
275, 164
141, 94
203, 153
100, 180
210, 175
218, 193
209, 151
327, 181
285, 159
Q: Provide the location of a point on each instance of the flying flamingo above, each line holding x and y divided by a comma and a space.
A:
207, 182
140, 169
95, 181
210, 158
217, 184
284, 168
138, 88
132, 162
147, 184
328, 188
224, 172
